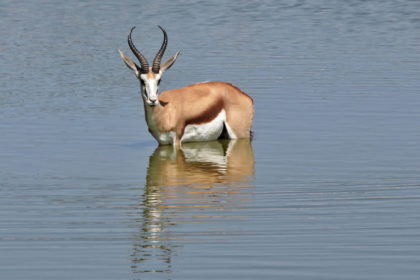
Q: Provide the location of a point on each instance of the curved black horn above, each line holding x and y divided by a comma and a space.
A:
143, 62
158, 57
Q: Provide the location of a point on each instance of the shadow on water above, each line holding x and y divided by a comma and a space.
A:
182, 187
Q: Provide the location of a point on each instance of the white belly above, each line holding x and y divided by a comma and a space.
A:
205, 132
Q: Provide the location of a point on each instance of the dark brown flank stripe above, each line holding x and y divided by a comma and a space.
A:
208, 115
163, 103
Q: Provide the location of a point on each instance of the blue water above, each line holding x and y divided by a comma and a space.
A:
328, 189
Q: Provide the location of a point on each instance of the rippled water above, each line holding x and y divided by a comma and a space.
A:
328, 189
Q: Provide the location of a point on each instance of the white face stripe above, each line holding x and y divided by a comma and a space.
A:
151, 86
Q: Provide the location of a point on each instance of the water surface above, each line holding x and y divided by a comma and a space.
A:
328, 189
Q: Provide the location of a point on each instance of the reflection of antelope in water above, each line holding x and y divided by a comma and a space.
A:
200, 175
202, 164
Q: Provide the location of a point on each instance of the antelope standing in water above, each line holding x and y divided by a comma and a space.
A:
199, 112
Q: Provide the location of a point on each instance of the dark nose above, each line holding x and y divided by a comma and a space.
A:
153, 101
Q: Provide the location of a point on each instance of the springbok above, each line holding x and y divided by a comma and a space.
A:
199, 112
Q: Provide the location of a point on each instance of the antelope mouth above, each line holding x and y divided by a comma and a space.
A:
152, 103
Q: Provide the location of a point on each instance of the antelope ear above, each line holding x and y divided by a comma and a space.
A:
130, 64
167, 64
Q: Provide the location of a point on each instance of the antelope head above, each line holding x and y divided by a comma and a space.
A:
149, 77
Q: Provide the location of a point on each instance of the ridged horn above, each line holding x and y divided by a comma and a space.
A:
158, 57
143, 61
